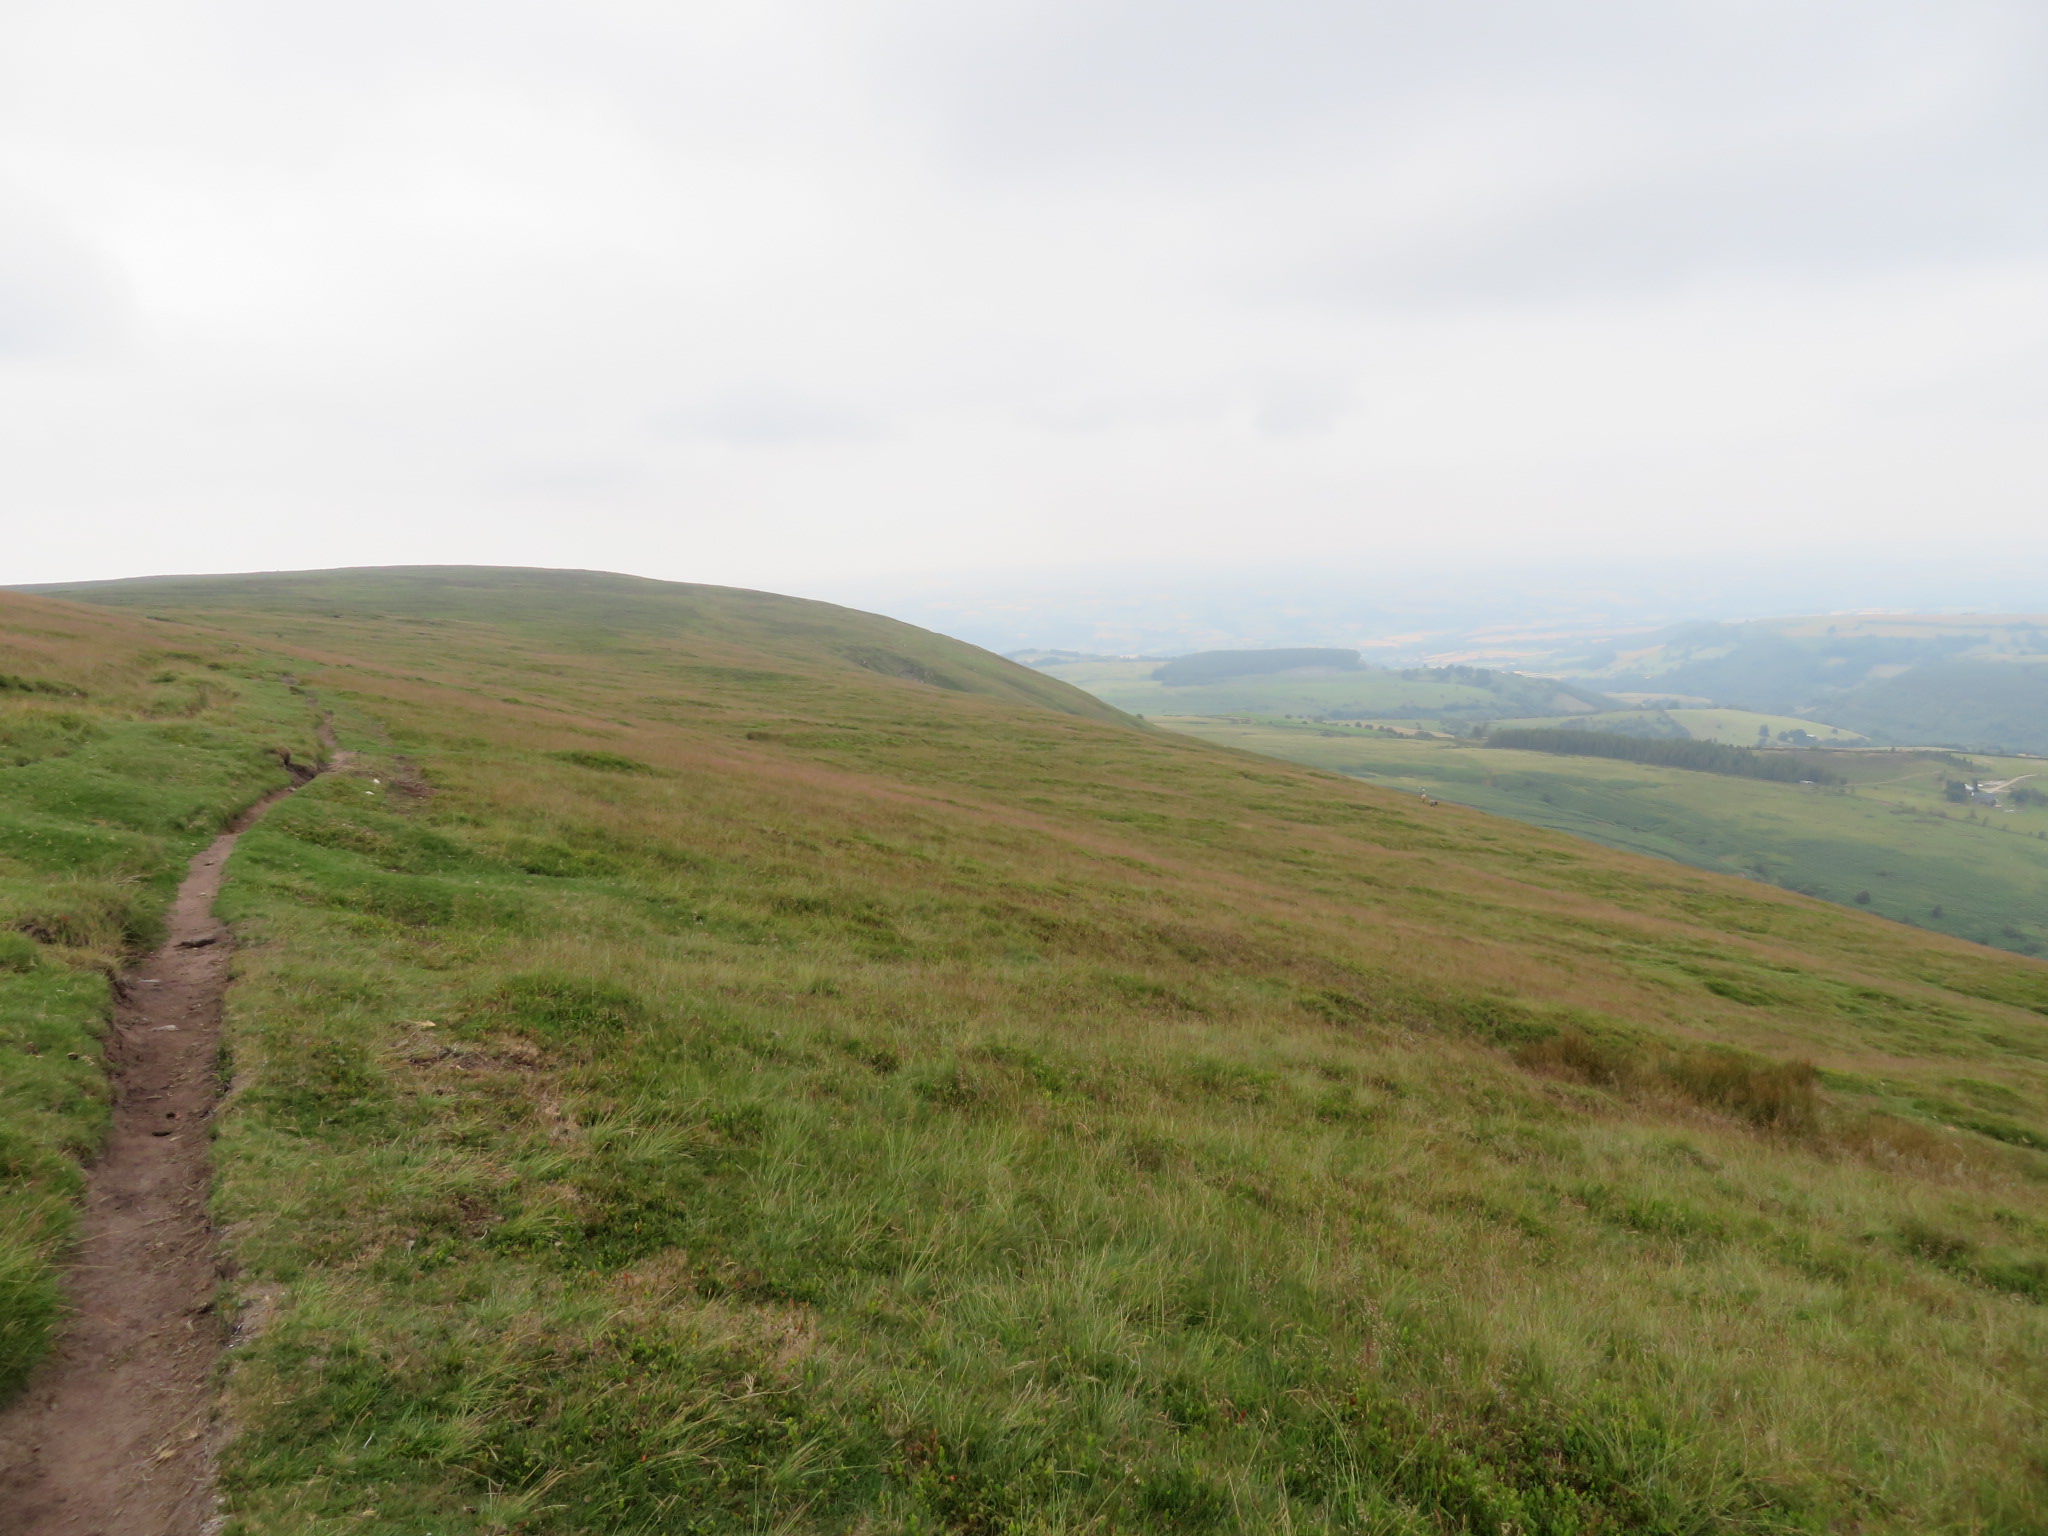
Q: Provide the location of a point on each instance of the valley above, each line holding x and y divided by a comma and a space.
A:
1889, 839
1908, 852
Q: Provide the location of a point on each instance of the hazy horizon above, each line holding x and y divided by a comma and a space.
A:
1407, 610
814, 296
1398, 613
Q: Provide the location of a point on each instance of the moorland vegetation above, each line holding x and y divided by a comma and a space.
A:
713, 1063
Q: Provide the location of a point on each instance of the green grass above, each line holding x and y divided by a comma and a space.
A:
1890, 834
671, 1101
590, 612
118, 761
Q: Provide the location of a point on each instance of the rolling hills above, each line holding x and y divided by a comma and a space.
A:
1954, 684
1965, 682
1977, 682
691, 1074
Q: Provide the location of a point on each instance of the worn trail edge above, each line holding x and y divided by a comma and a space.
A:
112, 1437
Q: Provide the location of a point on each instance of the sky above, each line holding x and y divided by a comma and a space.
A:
823, 295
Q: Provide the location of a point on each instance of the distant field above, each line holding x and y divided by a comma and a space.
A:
1739, 727
1976, 873
1736, 727
1388, 697
1128, 685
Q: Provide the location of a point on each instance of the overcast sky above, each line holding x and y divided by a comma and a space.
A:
792, 294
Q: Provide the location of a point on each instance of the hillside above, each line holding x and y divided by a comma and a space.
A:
1978, 682
1889, 838
685, 1079
1353, 692
585, 613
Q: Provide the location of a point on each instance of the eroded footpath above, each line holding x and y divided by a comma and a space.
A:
113, 1436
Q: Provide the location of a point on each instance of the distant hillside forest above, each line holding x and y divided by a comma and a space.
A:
1976, 688
1704, 756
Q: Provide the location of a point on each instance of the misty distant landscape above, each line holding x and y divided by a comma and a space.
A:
1885, 760
1971, 682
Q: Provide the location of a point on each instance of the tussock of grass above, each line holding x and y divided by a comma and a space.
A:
607, 762
1774, 1095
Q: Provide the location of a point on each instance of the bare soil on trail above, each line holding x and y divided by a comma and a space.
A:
115, 1434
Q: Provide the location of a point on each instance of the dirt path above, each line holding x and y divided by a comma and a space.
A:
113, 1436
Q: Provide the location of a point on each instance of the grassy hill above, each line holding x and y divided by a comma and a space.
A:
857, 1104
583, 613
1891, 834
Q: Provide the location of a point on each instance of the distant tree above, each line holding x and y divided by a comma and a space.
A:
1863, 898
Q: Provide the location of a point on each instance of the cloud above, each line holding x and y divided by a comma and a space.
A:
56, 297
778, 292
767, 415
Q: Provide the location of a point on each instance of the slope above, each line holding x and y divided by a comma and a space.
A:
694, 1086
1974, 681
590, 613
1888, 839
1971, 704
